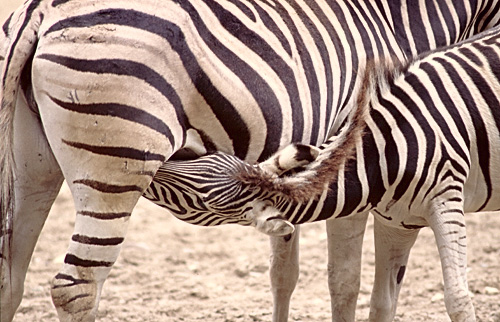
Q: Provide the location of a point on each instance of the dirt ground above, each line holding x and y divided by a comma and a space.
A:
171, 271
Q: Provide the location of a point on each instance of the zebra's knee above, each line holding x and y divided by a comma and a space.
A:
383, 302
76, 299
343, 284
459, 306
344, 289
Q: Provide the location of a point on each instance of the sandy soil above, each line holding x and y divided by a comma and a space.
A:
171, 271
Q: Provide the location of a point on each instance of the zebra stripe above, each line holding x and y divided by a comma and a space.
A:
122, 86
443, 163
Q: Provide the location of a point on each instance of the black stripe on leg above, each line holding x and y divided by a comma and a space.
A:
104, 215
454, 222
401, 274
96, 240
407, 226
76, 261
108, 188
69, 278
79, 296
121, 111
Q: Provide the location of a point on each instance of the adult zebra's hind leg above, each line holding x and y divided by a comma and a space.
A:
108, 162
38, 180
105, 190
104, 197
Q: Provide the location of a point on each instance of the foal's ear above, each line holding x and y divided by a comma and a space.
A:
291, 157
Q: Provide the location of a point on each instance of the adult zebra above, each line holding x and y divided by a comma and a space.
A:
420, 149
120, 86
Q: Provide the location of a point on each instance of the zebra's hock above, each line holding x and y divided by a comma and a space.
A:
75, 298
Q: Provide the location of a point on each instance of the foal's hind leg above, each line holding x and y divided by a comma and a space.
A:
448, 224
38, 180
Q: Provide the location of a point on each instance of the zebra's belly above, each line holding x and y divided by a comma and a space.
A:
480, 198
399, 215
482, 188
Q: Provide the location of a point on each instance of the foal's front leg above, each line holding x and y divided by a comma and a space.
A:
284, 272
345, 241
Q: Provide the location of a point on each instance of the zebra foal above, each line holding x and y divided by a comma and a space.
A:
421, 150
109, 90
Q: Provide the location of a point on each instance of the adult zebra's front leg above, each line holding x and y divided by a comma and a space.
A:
284, 272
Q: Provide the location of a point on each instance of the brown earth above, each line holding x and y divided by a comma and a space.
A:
171, 271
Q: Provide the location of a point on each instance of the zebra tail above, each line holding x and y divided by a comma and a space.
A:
324, 170
22, 38
311, 182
